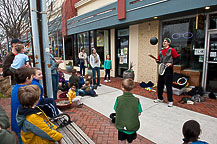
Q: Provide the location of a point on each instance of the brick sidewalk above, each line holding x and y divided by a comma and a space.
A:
209, 107
98, 127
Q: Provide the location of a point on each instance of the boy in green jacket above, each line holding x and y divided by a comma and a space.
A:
128, 109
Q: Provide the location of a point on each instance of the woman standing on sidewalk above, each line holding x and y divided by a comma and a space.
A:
83, 61
95, 65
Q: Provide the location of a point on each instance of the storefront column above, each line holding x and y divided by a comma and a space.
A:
134, 49
112, 45
147, 67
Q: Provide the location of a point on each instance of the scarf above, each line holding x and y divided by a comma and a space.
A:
95, 58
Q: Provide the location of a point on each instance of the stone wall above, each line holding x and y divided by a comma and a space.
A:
147, 67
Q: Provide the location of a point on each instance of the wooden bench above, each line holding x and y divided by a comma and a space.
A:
72, 134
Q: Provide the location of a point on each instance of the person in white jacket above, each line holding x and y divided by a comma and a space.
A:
83, 61
95, 65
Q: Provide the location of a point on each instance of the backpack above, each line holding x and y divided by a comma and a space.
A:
195, 91
113, 116
212, 95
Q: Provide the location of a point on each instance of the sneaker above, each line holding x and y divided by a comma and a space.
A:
99, 85
109, 80
170, 104
94, 86
95, 95
190, 102
158, 101
105, 81
80, 106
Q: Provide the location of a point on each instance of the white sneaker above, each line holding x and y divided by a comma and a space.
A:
170, 104
105, 81
190, 102
158, 101
109, 80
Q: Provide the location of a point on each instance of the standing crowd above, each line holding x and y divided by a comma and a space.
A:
31, 111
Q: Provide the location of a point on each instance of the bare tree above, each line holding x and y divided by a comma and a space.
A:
14, 17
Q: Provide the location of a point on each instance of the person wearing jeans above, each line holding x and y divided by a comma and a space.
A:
55, 77
83, 61
95, 65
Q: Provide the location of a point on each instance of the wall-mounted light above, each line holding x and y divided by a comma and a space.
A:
207, 8
155, 17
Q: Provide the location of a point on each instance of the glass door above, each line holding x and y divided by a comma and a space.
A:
211, 79
122, 55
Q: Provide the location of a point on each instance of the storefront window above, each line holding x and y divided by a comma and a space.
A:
98, 39
187, 40
91, 39
57, 44
83, 41
213, 21
68, 48
102, 46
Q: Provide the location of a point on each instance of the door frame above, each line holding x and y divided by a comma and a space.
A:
116, 50
206, 57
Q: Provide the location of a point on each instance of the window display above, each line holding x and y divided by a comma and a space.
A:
187, 40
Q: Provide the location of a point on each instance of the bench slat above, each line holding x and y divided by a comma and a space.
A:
68, 138
73, 134
82, 133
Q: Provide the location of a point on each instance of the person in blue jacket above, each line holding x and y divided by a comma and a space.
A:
23, 77
51, 108
191, 131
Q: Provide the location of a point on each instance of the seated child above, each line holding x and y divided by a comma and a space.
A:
20, 59
191, 131
63, 84
81, 80
51, 109
35, 126
86, 89
72, 95
89, 78
128, 109
74, 78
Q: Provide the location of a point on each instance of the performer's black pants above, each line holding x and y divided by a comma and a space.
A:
166, 79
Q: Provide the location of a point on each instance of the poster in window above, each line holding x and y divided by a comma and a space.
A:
121, 60
212, 54
125, 50
125, 59
199, 52
201, 58
100, 40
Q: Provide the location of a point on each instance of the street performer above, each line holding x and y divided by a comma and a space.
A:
168, 56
